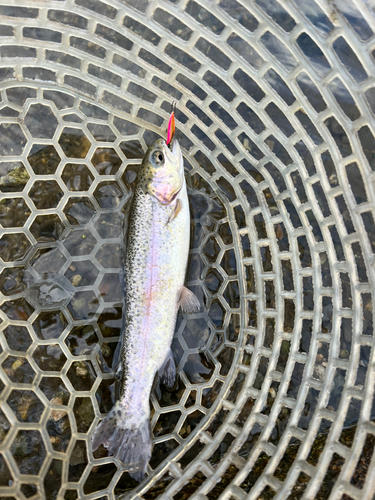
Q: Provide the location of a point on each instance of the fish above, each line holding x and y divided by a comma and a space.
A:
155, 266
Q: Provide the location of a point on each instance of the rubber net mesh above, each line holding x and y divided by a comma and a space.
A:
275, 104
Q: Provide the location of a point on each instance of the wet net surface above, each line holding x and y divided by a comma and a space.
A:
275, 115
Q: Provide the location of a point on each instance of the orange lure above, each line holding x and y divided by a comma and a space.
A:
171, 128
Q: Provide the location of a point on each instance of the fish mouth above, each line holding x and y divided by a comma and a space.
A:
174, 147
173, 150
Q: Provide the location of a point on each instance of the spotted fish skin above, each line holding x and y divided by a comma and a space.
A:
155, 268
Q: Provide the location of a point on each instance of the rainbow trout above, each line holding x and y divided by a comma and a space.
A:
155, 267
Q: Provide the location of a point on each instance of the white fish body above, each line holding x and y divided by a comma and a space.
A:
155, 268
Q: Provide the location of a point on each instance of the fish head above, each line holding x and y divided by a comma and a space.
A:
163, 171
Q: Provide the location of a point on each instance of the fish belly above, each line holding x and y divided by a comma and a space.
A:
155, 267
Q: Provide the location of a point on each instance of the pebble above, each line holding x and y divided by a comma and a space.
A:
23, 407
56, 401
272, 392
319, 372
77, 278
81, 371
57, 415
19, 362
106, 350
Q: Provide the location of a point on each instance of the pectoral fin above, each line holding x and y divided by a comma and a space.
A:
188, 302
176, 211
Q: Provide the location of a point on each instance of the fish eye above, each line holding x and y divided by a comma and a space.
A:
158, 158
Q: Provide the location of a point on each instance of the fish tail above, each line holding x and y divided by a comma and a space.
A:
129, 443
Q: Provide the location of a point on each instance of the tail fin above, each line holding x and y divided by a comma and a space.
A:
132, 445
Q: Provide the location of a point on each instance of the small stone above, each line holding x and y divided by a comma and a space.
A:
77, 278
16, 177
23, 407
19, 362
9, 372
81, 371
57, 401
319, 372
57, 415
106, 350
272, 392
22, 446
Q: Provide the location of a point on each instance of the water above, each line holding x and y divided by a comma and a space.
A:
279, 160
74, 294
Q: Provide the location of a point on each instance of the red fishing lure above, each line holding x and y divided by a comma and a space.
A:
171, 128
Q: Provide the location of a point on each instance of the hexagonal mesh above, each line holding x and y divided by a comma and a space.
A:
275, 115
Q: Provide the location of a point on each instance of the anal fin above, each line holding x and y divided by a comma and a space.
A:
188, 301
167, 372
117, 362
